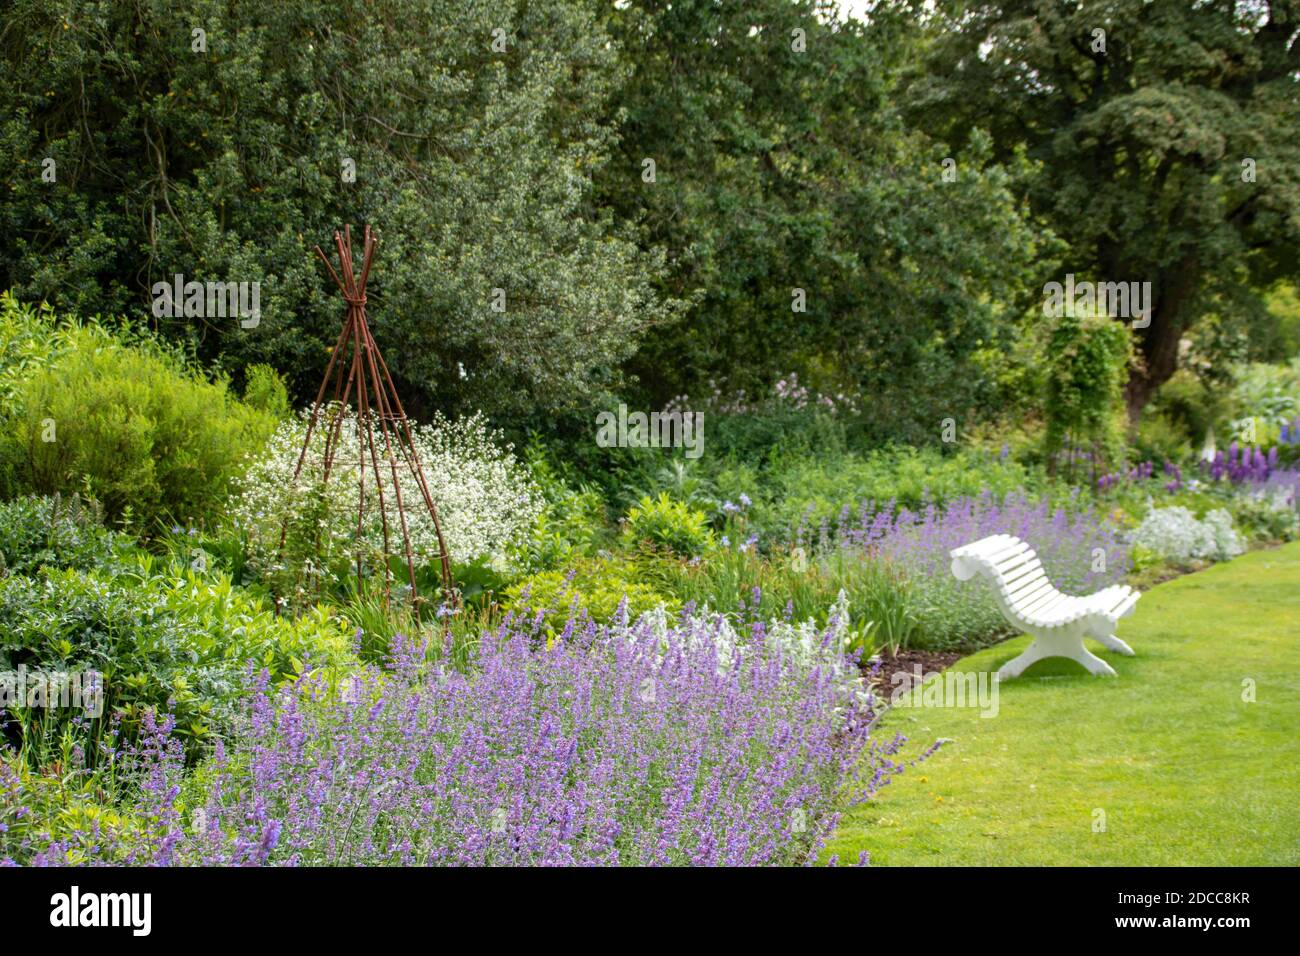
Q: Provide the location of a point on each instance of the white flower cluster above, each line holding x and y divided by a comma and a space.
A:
486, 500
801, 642
1175, 534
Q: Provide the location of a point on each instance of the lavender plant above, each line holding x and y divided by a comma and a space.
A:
1080, 552
630, 745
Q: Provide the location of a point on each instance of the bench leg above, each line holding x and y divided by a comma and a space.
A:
1016, 666
1071, 649
1093, 663
1115, 644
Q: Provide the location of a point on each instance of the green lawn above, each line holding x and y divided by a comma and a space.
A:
1185, 771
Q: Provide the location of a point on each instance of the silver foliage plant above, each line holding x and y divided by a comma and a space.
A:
1176, 534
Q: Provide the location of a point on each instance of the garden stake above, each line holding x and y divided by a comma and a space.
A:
368, 386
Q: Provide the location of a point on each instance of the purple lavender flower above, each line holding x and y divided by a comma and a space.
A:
623, 745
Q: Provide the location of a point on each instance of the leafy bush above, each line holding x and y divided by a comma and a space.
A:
72, 808
1160, 439
1175, 534
571, 526
246, 200
131, 424
54, 532
486, 501
671, 525
1192, 405
809, 491
1271, 516
30, 337
265, 390
1088, 359
597, 588
1263, 399
162, 637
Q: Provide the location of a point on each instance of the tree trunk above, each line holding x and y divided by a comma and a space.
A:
1158, 345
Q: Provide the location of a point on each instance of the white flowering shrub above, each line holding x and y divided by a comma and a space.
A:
486, 500
1176, 535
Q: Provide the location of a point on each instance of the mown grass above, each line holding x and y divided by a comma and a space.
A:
1184, 769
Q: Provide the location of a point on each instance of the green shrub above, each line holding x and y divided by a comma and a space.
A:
1262, 517
1187, 402
1088, 362
265, 390
815, 489
778, 433
1160, 439
30, 338
571, 525
668, 524
1264, 397
79, 808
595, 587
55, 533
130, 424
161, 636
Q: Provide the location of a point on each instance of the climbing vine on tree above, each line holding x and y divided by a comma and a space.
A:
1089, 362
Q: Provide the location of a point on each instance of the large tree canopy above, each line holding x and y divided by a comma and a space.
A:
473, 128
781, 165
1167, 134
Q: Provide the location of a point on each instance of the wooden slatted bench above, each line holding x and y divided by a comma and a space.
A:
1029, 602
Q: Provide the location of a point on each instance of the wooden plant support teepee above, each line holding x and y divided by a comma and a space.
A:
357, 376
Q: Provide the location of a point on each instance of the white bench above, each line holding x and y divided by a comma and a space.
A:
1058, 622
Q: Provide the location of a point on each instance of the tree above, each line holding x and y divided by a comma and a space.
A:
222, 140
1167, 135
806, 228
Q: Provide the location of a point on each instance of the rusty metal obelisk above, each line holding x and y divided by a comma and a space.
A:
357, 378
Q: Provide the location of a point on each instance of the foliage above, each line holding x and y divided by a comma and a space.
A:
571, 526
1158, 438
264, 389
163, 638
128, 422
30, 338
56, 533
229, 163
1167, 142
1271, 517
1263, 399
600, 590
782, 165
1084, 405
672, 525
808, 492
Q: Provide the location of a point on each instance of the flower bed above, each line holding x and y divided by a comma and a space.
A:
637, 744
